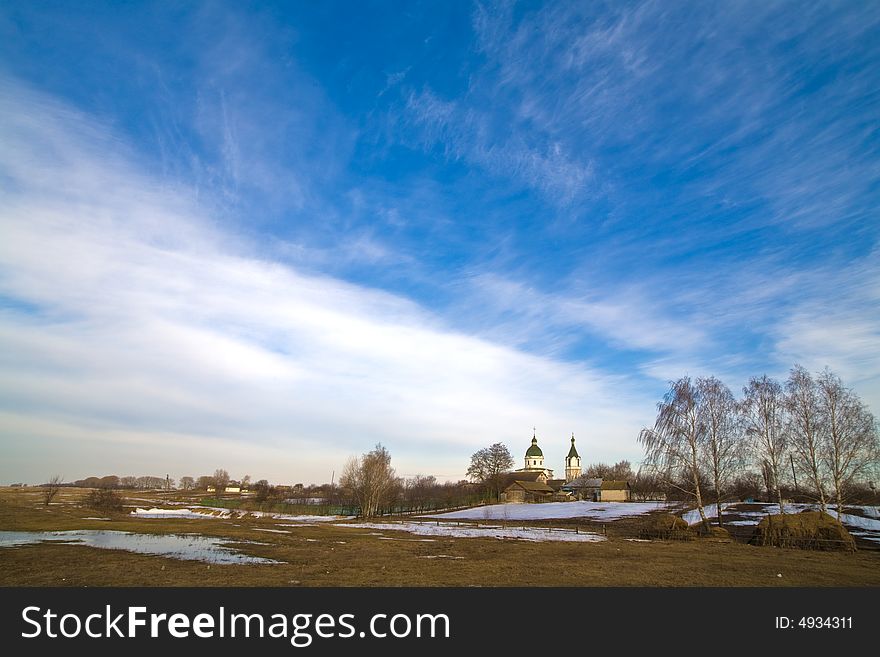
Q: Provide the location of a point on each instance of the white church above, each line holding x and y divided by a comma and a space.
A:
535, 483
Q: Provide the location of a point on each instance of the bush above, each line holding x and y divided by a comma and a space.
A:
104, 499
809, 530
665, 526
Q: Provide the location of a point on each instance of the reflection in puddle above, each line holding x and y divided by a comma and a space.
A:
191, 547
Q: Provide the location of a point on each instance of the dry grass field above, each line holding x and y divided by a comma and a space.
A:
328, 554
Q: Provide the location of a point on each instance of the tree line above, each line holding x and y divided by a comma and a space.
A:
219, 480
370, 484
809, 436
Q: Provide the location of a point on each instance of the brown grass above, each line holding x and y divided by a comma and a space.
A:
334, 556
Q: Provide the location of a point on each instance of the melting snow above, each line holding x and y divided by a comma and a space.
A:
178, 546
480, 531
202, 512
754, 517
439, 556
550, 510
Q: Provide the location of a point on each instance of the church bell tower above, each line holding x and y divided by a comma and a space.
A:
572, 463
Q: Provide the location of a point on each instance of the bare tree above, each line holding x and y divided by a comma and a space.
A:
673, 446
128, 482
487, 466
807, 432
187, 483
370, 480
620, 471
722, 447
647, 486
147, 483
747, 484
221, 480
418, 490
763, 411
263, 490
50, 490
852, 446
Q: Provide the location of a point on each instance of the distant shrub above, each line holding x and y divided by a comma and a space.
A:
665, 526
104, 499
809, 530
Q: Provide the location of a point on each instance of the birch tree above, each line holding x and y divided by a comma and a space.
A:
722, 445
852, 442
370, 480
673, 446
763, 411
807, 432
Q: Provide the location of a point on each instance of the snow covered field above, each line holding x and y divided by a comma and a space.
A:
452, 530
593, 510
207, 512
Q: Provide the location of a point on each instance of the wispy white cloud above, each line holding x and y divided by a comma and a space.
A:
838, 326
620, 318
465, 133
593, 200
131, 314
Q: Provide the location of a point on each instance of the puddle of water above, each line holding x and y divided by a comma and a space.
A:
190, 547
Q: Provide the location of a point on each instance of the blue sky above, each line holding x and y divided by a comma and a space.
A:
265, 237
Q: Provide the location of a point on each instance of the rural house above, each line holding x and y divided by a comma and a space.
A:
614, 491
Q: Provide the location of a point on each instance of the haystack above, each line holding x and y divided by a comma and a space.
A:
716, 533
809, 530
665, 526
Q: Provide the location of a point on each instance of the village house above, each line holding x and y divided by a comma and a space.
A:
615, 491
527, 491
585, 488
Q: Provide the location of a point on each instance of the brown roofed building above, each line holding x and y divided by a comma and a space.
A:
614, 491
527, 491
504, 480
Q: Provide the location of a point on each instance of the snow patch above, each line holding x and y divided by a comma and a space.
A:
202, 512
754, 517
480, 531
438, 556
551, 510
